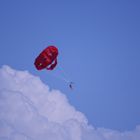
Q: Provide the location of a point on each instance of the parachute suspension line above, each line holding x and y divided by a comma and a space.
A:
65, 75
60, 77
66, 78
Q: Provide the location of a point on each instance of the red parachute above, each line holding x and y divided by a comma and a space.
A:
47, 59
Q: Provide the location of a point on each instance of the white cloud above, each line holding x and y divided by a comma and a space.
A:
30, 111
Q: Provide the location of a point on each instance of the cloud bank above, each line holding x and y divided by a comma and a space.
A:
29, 110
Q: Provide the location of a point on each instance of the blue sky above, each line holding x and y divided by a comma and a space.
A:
99, 49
